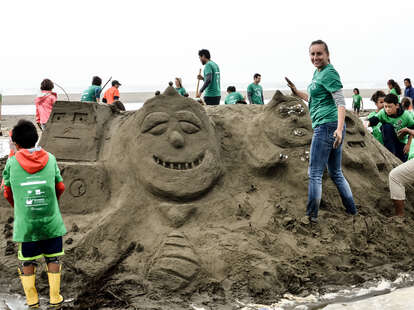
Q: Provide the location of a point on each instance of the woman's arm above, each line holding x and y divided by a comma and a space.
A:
339, 99
295, 91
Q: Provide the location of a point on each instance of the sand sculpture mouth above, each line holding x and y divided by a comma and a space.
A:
180, 165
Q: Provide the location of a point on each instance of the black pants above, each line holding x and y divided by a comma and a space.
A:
212, 100
392, 143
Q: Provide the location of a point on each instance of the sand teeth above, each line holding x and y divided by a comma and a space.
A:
179, 166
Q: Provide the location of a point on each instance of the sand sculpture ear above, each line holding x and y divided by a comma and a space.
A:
277, 99
170, 91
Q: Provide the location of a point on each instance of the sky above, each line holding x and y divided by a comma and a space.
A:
145, 44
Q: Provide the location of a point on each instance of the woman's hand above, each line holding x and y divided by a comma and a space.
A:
291, 86
295, 91
338, 138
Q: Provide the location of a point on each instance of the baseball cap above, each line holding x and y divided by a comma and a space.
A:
115, 82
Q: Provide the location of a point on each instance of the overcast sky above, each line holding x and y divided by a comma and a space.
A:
144, 44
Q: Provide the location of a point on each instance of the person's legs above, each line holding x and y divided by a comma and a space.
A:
212, 100
53, 248
398, 178
335, 172
319, 154
391, 141
28, 253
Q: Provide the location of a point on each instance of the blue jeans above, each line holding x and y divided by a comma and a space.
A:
322, 155
392, 143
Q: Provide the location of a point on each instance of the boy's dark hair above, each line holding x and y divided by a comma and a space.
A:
231, 89
46, 85
357, 90
25, 134
97, 81
406, 103
395, 85
391, 98
205, 53
256, 75
408, 80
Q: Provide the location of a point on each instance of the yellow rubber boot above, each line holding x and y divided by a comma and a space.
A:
56, 299
28, 282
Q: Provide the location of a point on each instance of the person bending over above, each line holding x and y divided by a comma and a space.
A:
393, 119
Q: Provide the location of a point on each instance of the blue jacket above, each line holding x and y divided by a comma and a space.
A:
409, 92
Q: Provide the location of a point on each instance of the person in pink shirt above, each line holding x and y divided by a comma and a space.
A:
44, 103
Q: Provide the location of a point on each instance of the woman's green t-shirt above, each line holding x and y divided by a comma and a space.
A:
322, 106
181, 91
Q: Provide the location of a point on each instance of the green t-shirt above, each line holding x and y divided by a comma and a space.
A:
36, 209
356, 101
393, 91
233, 97
181, 91
213, 89
376, 130
91, 94
322, 106
404, 120
256, 92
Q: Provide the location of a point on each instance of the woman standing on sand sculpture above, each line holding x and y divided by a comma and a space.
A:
327, 112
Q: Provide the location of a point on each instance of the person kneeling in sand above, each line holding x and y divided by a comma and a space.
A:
33, 185
399, 177
393, 119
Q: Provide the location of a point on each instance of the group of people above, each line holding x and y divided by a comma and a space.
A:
46, 99
211, 87
33, 184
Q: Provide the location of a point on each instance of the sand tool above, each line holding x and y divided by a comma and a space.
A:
106, 83
62, 89
198, 86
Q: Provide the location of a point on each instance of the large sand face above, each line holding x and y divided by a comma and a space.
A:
177, 152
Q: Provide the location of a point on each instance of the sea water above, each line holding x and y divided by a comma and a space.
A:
30, 109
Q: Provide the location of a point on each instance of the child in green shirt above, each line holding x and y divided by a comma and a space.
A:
357, 101
378, 99
33, 185
393, 119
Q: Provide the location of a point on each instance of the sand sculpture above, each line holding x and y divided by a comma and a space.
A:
177, 203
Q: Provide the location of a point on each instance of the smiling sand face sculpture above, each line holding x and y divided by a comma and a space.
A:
178, 154
284, 124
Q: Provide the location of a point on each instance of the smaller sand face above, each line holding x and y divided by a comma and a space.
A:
286, 122
178, 154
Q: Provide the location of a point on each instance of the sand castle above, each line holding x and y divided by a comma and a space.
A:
177, 203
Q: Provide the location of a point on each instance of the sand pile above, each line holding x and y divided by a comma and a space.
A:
176, 204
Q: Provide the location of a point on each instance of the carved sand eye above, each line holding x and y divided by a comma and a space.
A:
158, 129
189, 127
155, 123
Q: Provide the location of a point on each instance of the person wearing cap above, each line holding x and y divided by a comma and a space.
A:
112, 94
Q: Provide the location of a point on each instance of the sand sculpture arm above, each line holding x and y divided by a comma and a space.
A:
207, 80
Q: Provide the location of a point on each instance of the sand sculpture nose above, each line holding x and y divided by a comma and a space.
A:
176, 139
